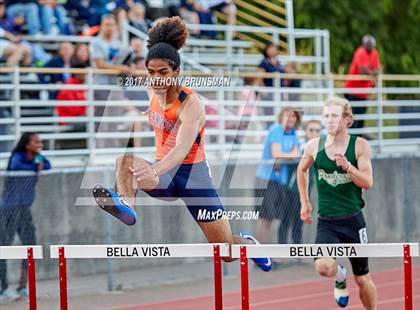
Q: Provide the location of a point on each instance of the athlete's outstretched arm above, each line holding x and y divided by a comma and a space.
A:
362, 175
303, 180
190, 118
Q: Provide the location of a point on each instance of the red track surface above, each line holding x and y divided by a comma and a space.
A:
305, 295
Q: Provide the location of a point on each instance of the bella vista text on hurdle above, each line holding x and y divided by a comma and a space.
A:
143, 251
338, 251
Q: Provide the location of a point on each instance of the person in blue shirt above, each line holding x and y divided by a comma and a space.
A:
291, 222
17, 197
281, 148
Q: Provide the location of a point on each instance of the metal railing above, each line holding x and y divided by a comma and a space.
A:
227, 53
391, 127
231, 54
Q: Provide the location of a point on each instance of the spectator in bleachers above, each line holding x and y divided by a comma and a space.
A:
138, 63
120, 16
189, 11
106, 53
365, 61
74, 95
291, 68
51, 10
156, 9
137, 19
312, 129
203, 9
104, 50
62, 60
79, 11
12, 28
81, 54
281, 145
15, 202
28, 9
12, 25
269, 64
13, 51
137, 47
127, 4
102, 7
134, 110
226, 7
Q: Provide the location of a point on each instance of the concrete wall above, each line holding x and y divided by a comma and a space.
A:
392, 212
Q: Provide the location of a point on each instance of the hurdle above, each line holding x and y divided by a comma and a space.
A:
29, 252
404, 250
215, 250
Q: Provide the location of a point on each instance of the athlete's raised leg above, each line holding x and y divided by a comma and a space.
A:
328, 267
126, 182
120, 202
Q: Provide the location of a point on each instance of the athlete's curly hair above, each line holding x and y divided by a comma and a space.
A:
165, 39
170, 30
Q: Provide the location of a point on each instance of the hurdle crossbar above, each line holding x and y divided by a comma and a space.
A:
215, 250
30, 253
405, 250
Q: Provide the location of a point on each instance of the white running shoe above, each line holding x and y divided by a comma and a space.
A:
341, 293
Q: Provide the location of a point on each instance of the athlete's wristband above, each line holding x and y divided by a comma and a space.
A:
154, 170
348, 169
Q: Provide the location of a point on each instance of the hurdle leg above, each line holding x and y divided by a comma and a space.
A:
62, 268
244, 279
408, 284
31, 279
218, 293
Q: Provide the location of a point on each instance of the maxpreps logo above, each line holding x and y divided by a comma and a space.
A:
206, 215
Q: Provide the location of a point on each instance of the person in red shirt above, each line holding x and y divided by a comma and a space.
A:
73, 94
365, 61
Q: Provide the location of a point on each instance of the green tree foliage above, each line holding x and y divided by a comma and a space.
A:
394, 23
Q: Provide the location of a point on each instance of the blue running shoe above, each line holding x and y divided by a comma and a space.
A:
265, 263
115, 205
341, 293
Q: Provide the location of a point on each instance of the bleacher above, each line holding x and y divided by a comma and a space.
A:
236, 50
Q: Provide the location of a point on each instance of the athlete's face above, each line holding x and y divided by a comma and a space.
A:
334, 120
160, 74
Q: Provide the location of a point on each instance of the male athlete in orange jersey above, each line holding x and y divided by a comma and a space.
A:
181, 170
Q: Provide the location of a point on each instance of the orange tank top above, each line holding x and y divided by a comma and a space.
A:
166, 124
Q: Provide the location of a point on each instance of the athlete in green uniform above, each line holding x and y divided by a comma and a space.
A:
343, 168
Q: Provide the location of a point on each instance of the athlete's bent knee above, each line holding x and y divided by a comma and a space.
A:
362, 281
324, 267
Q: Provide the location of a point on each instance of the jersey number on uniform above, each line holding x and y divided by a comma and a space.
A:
363, 235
